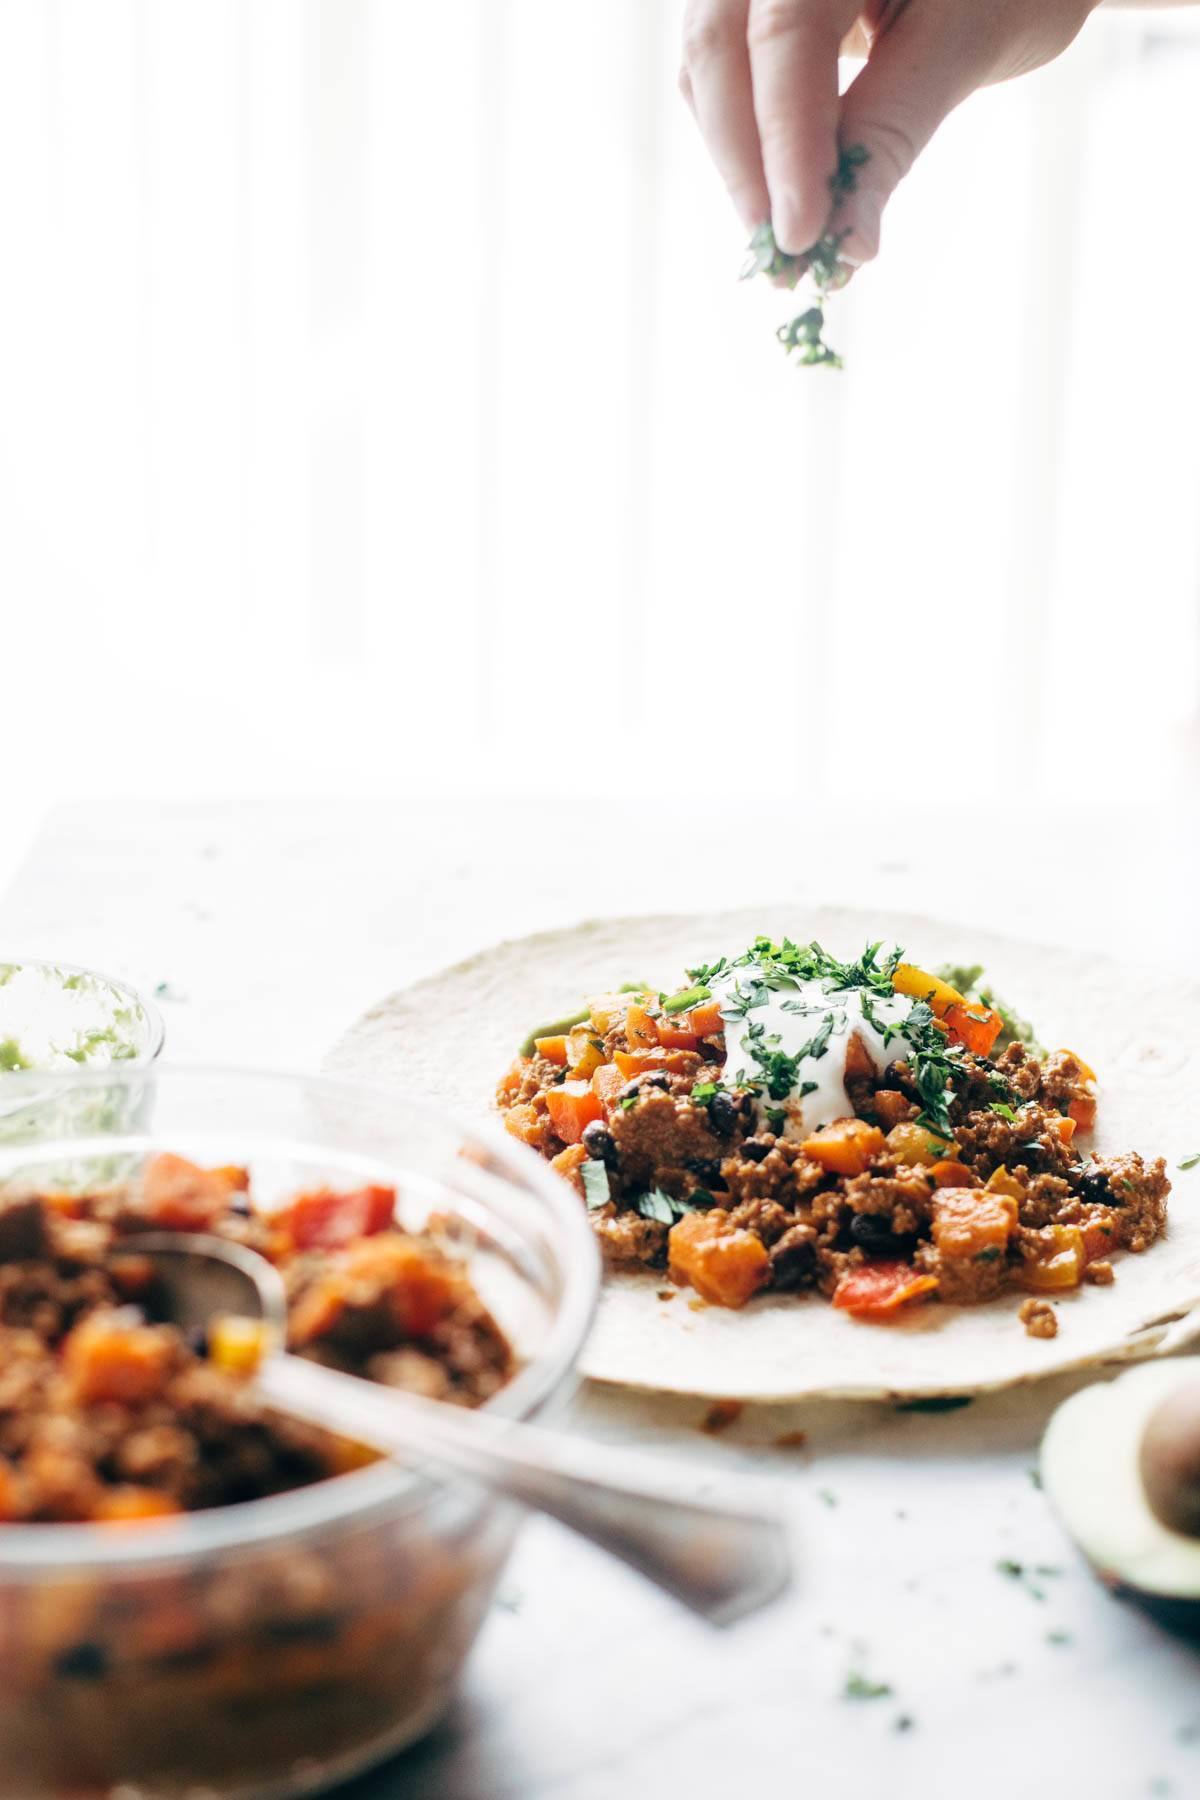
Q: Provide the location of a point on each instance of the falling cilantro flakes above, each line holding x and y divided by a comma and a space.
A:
858, 1686
804, 336
1190, 1162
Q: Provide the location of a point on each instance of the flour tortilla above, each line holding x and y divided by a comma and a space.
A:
451, 1037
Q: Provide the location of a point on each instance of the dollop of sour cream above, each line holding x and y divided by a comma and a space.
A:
813, 1023
54, 1018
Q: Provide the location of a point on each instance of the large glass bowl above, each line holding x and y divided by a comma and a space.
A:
273, 1648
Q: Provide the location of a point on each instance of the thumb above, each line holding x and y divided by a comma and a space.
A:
919, 69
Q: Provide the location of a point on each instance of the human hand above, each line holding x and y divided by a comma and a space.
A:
761, 77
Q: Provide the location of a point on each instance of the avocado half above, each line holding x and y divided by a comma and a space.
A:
1120, 1458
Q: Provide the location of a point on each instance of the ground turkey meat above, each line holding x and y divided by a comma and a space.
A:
107, 1414
980, 1199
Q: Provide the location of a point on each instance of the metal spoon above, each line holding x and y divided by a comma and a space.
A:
723, 1560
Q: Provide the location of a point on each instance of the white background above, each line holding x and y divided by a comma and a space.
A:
379, 410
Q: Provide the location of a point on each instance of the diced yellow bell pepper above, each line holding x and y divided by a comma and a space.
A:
236, 1345
585, 1053
608, 1010
1061, 1266
1001, 1182
912, 1144
921, 985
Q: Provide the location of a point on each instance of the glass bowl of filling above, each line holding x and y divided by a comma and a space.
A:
198, 1596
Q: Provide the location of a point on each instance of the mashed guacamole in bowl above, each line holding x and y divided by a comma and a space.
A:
55, 1016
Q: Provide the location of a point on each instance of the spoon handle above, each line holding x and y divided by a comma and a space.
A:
723, 1561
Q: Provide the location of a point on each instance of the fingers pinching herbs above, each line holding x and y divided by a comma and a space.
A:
715, 81
794, 48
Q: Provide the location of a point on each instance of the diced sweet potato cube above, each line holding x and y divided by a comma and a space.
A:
607, 1083
891, 1107
1085, 1068
845, 1147
952, 1174
571, 1107
640, 1028
967, 1221
106, 1359
510, 1081
724, 1266
554, 1049
637, 1062
1083, 1111
180, 1196
568, 1163
705, 1020
128, 1503
608, 1010
859, 1065
389, 1284
524, 1122
1099, 1237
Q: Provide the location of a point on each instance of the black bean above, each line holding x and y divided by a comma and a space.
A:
82, 1662
708, 1168
1094, 1187
727, 1111
756, 1149
872, 1230
794, 1257
600, 1145
196, 1338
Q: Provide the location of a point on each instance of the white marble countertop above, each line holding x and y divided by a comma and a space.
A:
274, 923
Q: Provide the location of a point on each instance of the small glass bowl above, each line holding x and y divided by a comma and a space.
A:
146, 1026
270, 1649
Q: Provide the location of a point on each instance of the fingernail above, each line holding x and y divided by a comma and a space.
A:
792, 232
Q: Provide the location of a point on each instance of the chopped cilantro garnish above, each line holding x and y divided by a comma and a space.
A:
595, 1184
859, 1687
1003, 1108
665, 1209
1190, 1162
656, 1205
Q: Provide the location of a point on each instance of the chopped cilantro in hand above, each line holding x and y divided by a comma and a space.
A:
804, 336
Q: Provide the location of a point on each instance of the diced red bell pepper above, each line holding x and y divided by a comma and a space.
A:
881, 1287
327, 1220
